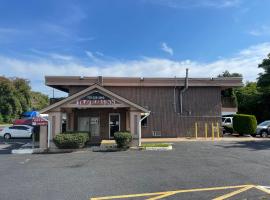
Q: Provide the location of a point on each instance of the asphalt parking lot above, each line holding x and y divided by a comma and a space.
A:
193, 170
7, 145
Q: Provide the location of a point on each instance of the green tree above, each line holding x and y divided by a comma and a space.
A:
264, 87
249, 100
23, 92
230, 92
39, 100
226, 73
10, 106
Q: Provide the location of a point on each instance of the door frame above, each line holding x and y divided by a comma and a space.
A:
110, 114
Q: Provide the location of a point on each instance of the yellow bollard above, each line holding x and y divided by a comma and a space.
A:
213, 131
196, 130
217, 130
205, 130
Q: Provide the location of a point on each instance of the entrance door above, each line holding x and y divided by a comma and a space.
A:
94, 126
83, 124
114, 123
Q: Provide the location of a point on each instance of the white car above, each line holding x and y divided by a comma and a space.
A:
17, 131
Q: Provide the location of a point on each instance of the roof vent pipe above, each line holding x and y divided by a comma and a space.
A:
100, 80
182, 91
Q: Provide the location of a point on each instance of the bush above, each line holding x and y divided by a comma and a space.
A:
122, 139
244, 124
71, 140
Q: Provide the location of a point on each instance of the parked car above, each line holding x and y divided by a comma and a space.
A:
263, 129
17, 131
227, 121
227, 124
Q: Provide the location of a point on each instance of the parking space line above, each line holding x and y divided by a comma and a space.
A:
169, 193
162, 196
225, 196
264, 189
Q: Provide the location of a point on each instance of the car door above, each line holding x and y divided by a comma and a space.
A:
24, 131
14, 131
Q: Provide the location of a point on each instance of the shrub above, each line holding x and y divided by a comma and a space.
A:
71, 140
122, 139
244, 124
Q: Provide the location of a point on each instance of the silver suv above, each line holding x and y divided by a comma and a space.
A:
263, 129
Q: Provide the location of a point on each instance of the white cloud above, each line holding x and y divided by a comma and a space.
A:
166, 48
263, 30
245, 62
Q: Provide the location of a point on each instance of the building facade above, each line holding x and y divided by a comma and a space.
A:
170, 106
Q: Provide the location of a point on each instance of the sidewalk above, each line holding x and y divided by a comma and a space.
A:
201, 139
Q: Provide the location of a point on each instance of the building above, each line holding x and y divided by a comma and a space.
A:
170, 106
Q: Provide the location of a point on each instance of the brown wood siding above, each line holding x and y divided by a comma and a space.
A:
200, 104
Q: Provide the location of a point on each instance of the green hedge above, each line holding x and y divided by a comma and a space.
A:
71, 140
244, 124
122, 139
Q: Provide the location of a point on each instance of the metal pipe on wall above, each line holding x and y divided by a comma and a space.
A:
182, 91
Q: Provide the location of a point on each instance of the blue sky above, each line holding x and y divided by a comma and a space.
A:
132, 38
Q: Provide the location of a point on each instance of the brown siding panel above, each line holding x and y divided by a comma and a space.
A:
200, 104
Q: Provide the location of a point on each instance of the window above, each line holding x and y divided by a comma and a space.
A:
144, 121
228, 120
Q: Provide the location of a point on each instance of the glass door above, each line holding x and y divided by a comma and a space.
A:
83, 124
94, 126
114, 123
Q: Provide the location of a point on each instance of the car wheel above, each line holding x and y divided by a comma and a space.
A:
253, 135
7, 136
264, 134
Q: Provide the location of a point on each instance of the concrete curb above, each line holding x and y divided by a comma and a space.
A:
158, 148
22, 151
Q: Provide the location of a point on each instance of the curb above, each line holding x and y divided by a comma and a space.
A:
169, 148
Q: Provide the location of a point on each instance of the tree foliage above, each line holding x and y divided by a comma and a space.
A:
254, 97
39, 100
16, 97
226, 73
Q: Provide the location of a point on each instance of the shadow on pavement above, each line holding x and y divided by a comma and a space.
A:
7, 145
252, 145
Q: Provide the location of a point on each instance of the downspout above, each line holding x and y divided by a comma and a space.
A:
182, 92
140, 128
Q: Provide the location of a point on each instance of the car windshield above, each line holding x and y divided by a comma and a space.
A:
265, 123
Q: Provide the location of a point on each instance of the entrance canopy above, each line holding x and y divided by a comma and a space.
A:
94, 96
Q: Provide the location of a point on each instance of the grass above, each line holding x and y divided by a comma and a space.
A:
155, 145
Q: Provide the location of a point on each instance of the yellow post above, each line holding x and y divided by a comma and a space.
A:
213, 131
196, 130
205, 130
217, 130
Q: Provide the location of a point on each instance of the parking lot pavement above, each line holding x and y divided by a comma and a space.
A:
189, 166
7, 145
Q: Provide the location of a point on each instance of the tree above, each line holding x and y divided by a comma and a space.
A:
226, 73
16, 97
39, 100
264, 87
230, 93
10, 106
23, 92
249, 100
